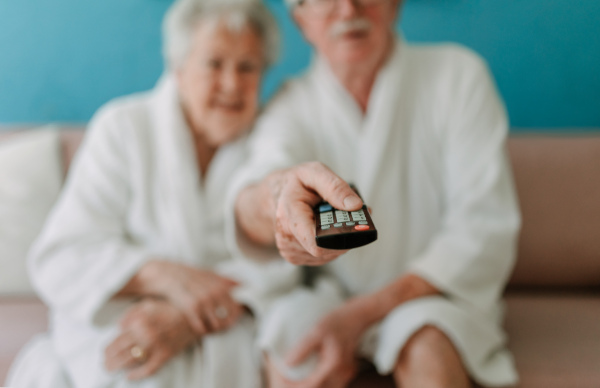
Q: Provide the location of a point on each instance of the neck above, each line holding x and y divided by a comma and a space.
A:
358, 79
204, 153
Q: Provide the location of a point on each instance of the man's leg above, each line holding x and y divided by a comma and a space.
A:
430, 360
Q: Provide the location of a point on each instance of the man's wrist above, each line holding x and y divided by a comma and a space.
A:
372, 308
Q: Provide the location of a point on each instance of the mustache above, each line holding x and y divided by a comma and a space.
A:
349, 26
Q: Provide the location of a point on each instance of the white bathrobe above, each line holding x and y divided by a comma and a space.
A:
429, 158
134, 193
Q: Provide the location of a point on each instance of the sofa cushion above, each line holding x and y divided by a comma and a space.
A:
20, 320
70, 140
558, 183
30, 180
555, 339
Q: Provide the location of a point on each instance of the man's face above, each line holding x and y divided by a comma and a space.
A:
347, 31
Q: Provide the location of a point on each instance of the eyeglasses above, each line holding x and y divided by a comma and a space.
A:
325, 7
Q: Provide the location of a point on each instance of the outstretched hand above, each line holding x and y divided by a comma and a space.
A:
292, 194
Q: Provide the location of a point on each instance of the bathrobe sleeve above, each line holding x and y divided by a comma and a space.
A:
473, 253
84, 254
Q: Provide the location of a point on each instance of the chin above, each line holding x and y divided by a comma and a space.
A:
229, 132
352, 51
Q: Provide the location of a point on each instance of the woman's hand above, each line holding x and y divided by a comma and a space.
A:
203, 296
152, 332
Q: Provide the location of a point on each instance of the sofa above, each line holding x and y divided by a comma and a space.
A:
552, 300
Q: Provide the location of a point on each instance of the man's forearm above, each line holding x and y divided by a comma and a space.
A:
255, 210
374, 307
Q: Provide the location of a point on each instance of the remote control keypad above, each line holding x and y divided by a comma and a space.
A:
339, 229
341, 217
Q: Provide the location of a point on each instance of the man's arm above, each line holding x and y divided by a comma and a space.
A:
255, 209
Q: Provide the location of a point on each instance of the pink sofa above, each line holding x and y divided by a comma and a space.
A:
553, 300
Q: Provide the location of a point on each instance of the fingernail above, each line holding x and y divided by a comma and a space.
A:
352, 202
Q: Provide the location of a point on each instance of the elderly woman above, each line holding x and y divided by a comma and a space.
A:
129, 261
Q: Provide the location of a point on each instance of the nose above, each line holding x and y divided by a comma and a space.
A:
230, 81
347, 8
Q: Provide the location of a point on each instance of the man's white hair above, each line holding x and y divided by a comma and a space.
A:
184, 16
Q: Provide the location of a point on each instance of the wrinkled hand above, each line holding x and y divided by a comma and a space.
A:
295, 193
335, 339
155, 326
203, 296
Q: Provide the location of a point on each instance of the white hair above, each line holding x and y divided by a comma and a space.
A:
184, 16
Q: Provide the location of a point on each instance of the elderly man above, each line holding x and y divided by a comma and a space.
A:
420, 131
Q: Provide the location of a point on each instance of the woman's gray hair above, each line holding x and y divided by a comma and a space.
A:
184, 16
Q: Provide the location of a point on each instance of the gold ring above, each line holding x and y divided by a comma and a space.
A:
138, 353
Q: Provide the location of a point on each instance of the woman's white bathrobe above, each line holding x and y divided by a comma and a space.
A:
133, 194
429, 158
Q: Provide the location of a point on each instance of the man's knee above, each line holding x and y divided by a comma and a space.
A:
424, 345
430, 359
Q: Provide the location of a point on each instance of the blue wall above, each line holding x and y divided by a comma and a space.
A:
61, 59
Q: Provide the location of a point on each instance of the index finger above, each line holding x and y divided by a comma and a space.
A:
329, 186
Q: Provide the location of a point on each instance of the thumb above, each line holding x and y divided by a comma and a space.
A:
329, 186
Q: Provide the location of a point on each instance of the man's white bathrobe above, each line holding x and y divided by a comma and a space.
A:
429, 158
134, 193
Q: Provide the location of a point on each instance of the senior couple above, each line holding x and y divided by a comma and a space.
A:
174, 255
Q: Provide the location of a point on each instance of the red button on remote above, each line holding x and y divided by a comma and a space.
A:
361, 227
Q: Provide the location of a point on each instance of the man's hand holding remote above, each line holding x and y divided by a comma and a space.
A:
279, 210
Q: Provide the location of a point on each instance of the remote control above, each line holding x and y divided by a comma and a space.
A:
339, 229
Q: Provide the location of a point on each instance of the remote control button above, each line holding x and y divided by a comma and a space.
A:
358, 216
326, 218
361, 227
363, 223
325, 227
338, 225
342, 216
325, 208
350, 223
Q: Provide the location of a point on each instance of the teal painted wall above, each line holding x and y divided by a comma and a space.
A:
61, 59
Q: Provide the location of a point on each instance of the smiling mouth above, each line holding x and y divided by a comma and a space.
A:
229, 106
355, 35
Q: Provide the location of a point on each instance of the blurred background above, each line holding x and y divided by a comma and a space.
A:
60, 60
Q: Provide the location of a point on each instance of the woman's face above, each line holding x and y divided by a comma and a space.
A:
219, 81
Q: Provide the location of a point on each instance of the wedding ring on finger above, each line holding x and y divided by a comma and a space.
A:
138, 353
221, 312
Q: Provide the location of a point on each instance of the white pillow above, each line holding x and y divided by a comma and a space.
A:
30, 181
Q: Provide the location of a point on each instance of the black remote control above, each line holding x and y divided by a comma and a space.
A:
339, 229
